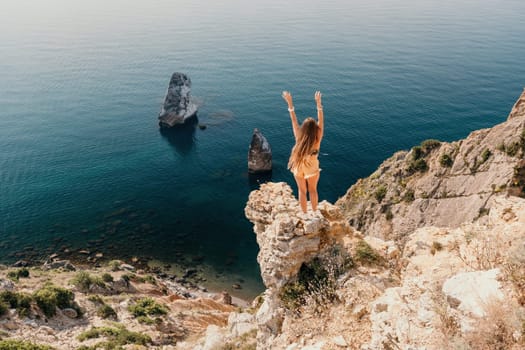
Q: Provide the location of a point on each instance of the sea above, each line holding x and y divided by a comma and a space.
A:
83, 164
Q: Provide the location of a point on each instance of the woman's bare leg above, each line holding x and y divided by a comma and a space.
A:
312, 190
301, 186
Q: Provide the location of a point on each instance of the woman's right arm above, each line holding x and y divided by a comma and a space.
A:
295, 125
320, 115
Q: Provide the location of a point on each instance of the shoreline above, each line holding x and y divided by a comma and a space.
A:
198, 279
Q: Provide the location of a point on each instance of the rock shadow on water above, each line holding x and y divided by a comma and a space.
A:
182, 137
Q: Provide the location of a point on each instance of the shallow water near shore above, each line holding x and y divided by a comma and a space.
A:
83, 164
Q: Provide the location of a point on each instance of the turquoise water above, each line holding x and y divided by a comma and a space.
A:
81, 84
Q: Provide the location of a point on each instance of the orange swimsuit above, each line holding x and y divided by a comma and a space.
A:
308, 167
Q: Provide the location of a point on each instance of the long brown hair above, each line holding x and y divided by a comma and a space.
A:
306, 140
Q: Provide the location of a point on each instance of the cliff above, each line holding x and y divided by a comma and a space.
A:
426, 253
440, 183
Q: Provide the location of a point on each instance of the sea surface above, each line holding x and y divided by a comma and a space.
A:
84, 165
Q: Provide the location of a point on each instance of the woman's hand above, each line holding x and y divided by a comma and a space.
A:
288, 98
318, 99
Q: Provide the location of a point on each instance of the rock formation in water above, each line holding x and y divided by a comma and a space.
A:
259, 154
177, 107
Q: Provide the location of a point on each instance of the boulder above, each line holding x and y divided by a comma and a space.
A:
59, 264
259, 154
177, 107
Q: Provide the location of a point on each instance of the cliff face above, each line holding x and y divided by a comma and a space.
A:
439, 183
444, 289
426, 253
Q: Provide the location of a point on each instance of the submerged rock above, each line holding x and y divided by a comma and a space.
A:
259, 154
177, 107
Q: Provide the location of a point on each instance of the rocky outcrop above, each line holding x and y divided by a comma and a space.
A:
259, 154
459, 287
177, 107
443, 288
439, 183
287, 238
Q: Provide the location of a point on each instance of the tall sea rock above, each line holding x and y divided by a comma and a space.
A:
177, 107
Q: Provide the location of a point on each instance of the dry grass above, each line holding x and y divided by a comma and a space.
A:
501, 329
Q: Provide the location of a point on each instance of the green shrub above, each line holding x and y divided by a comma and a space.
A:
96, 299
145, 320
485, 155
380, 193
389, 215
417, 152
436, 247
10, 344
512, 148
15, 275
106, 311
10, 298
483, 211
16, 300
114, 265
147, 307
446, 160
83, 281
3, 308
49, 297
117, 337
106, 277
316, 281
409, 195
24, 304
150, 279
418, 165
429, 145
365, 254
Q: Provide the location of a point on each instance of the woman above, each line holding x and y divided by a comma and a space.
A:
303, 161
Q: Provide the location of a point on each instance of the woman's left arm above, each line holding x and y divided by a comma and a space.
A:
320, 115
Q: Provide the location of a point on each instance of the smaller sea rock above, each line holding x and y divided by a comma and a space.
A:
259, 154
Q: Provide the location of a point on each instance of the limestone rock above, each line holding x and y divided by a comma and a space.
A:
6, 284
458, 182
214, 338
177, 107
474, 290
259, 154
69, 312
241, 323
59, 264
